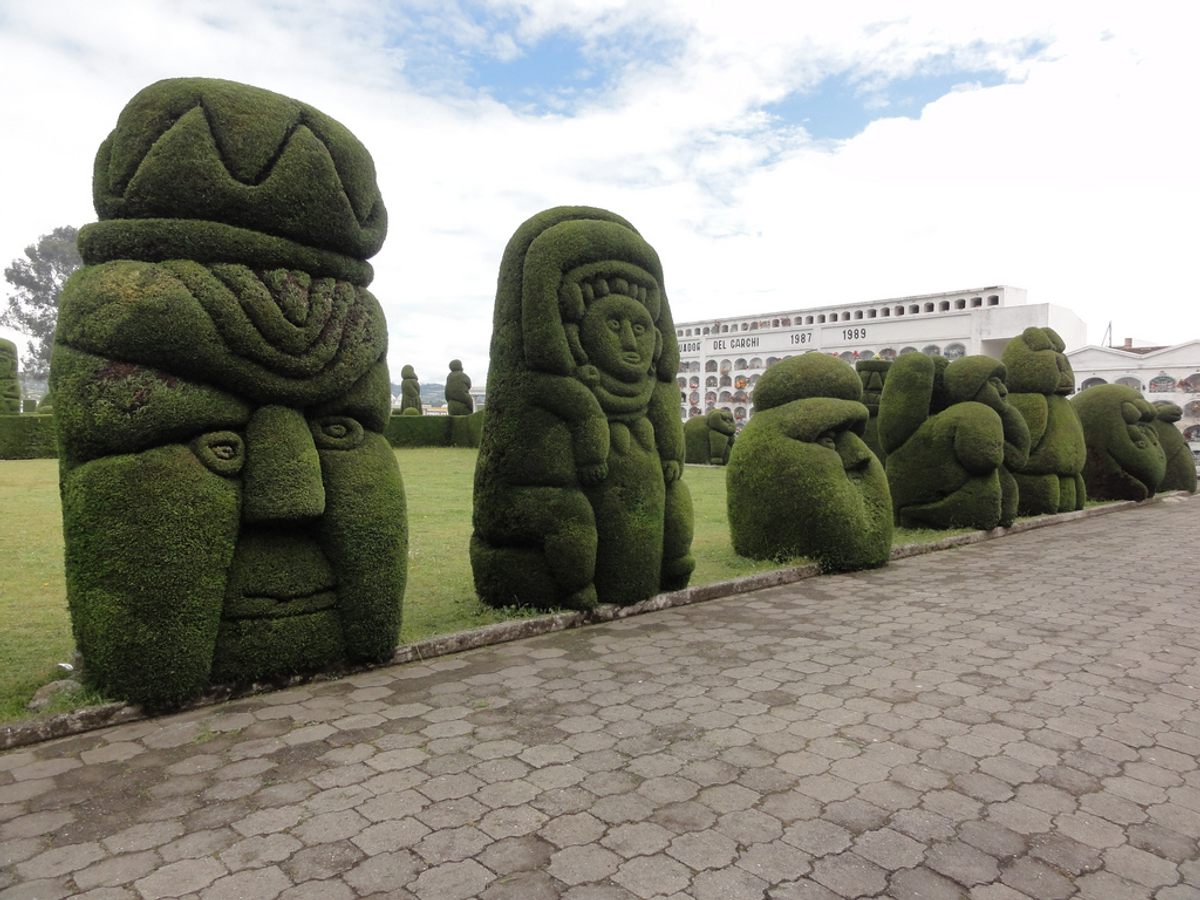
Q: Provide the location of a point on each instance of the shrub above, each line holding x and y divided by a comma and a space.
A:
1124, 458
708, 439
27, 437
1181, 467
10, 386
459, 401
873, 373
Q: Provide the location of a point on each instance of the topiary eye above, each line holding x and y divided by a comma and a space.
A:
827, 439
337, 433
639, 329
221, 451
614, 324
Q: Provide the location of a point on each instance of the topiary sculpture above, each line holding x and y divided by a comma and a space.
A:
231, 508
46, 404
1124, 458
459, 401
873, 373
10, 386
577, 491
949, 436
1181, 467
709, 438
1039, 380
410, 393
800, 480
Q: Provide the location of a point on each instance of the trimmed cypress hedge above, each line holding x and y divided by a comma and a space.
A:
459, 401
708, 439
1124, 458
28, 436
801, 481
435, 431
231, 508
410, 392
873, 373
1181, 467
577, 491
10, 385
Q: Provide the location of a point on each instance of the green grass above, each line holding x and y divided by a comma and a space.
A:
35, 630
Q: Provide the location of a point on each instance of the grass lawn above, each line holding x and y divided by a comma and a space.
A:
35, 631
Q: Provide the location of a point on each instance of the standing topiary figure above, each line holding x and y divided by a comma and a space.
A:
10, 386
710, 438
577, 490
800, 480
873, 373
1039, 381
950, 437
1181, 467
410, 392
231, 508
1124, 458
459, 401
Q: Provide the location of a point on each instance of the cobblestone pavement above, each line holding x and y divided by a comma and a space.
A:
1018, 718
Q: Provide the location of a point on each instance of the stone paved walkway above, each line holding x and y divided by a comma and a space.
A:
1019, 718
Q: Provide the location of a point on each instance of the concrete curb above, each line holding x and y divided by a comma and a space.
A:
90, 718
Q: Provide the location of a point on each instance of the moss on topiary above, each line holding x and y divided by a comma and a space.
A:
1039, 380
410, 392
800, 480
459, 401
10, 385
231, 508
873, 373
1124, 458
577, 491
1181, 466
708, 439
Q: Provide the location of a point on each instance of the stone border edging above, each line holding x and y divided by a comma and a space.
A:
89, 718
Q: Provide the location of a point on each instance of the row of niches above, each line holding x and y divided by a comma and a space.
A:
1160, 384
742, 364
846, 315
740, 412
714, 398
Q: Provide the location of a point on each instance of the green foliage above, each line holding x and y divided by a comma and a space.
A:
708, 439
1124, 458
30, 405
459, 401
1181, 467
38, 281
577, 491
410, 392
27, 437
873, 373
409, 430
10, 386
801, 482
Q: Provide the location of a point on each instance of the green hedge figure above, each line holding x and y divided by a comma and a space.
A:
10, 385
231, 508
410, 392
1125, 461
1039, 381
709, 438
578, 497
873, 373
800, 480
951, 440
1181, 467
459, 401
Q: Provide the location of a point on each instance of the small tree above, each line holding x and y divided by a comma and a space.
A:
37, 282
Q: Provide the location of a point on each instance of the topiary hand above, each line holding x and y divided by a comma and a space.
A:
593, 474
671, 471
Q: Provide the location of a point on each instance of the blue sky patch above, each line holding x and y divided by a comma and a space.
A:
551, 76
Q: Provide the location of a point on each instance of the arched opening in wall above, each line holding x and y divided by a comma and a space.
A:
1129, 381
913, 309
740, 382
885, 312
755, 363
745, 326
739, 364
870, 313
754, 326
726, 396
899, 310
724, 329
694, 381
694, 411
944, 306
741, 397
682, 382
994, 300
904, 351
847, 356
866, 354
706, 330
960, 304
774, 323
1091, 382
710, 397
694, 397
786, 323
739, 414
726, 366
887, 353
1192, 433
821, 319
682, 398
976, 302
726, 381
954, 351
846, 316
1162, 384
808, 320
858, 314
771, 360
930, 350
710, 366
754, 380
928, 307
696, 365
710, 381
1191, 384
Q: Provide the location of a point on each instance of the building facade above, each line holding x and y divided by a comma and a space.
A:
722, 359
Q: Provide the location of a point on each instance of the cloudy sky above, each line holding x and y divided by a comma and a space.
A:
777, 155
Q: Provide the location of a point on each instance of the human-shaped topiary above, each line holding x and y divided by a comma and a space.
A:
231, 509
578, 497
410, 392
459, 401
800, 480
1181, 466
709, 438
873, 373
10, 386
950, 438
1039, 381
1125, 461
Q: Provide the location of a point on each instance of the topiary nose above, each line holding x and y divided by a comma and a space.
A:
282, 477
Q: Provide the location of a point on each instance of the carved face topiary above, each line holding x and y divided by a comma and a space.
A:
873, 373
231, 508
1181, 467
10, 386
1125, 460
459, 401
1036, 363
800, 480
577, 491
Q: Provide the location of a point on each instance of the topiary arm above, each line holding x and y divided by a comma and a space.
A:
572, 402
904, 401
1035, 410
1017, 439
978, 436
663, 413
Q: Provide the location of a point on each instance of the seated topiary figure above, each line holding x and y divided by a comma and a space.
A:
950, 437
800, 480
459, 401
231, 508
410, 392
873, 373
10, 386
577, 491
1124, 458
1181, 467
1039, 380
709, 438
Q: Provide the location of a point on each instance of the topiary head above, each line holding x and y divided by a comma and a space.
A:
456, 365
1119, 432
408, 372
1166, 411
873, 373
1036, 363
810, 375
978, 378
721, 420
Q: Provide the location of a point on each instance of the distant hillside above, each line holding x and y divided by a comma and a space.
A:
431, 394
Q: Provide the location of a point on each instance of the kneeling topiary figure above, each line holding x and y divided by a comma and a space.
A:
1039, 381
231, 508
873, 373
577, 490
459, 401
709, 438
1181, 467
1125, 461
410, 392
10, 385
800, 480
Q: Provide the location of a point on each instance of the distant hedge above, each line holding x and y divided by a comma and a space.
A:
434, 431
30, 436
